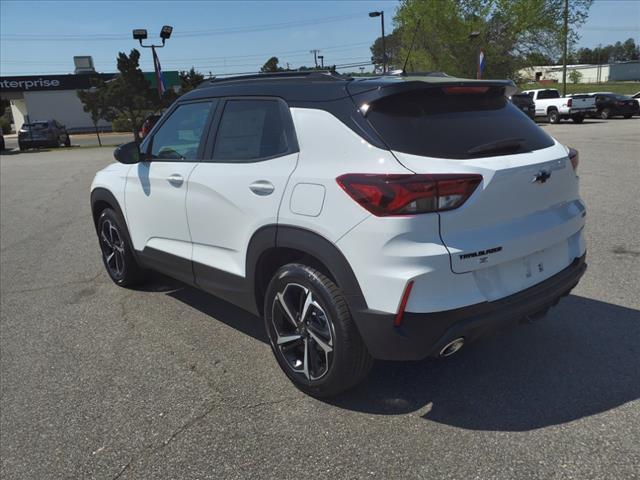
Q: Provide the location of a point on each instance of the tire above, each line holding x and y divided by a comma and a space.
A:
578, 118
605, 114
117, 253
67, 142
323, 355
553, 116
628, 116
21, 147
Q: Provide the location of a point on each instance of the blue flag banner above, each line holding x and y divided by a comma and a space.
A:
159, 77
480, 64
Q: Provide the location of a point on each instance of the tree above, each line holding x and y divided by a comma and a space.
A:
393, 44
575, 76
94, 105
190, 80
271, 65
129, 95
509, 31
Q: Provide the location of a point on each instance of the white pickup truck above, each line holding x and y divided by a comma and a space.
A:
551, 105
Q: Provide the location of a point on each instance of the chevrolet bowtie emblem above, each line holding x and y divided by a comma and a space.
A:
542, 176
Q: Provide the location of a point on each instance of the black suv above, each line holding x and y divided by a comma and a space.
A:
45, 133
525, 103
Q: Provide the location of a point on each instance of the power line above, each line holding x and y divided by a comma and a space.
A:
57, 37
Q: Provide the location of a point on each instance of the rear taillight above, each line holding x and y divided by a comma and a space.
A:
575, 158
465, 90
385, 195
569, 102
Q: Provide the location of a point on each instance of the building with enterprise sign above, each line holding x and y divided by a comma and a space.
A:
44, 97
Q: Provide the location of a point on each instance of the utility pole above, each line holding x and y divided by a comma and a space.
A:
315, 56
321, 57
565, 39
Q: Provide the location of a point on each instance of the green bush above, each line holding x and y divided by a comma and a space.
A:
121, 124
5, 125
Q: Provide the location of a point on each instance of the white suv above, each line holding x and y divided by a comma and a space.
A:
393, 217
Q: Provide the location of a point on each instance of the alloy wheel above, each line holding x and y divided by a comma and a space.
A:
112, 248
303, 332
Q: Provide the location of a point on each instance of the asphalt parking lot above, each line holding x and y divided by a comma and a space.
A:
167, 382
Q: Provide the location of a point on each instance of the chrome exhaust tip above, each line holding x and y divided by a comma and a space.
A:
452, 347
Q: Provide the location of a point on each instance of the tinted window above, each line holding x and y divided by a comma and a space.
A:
178, 138
544, 94
251, 130
433, 123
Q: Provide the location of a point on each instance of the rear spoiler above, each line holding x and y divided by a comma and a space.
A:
363, 93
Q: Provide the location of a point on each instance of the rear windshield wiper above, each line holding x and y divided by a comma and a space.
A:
505, 145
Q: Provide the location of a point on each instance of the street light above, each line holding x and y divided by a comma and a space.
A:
384, 49
140, 34
472, 36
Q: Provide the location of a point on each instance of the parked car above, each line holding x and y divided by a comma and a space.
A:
45, 133
148, 124
524, 103
636, 99
434, 213
553, 107
614, 105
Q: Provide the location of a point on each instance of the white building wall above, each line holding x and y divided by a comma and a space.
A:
61, 105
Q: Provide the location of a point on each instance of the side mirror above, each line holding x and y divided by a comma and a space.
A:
127, 153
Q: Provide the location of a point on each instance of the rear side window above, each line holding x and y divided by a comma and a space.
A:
544, 94
449, 123
252, 130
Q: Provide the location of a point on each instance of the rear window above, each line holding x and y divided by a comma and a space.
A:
433, 123
35, 125
544, 94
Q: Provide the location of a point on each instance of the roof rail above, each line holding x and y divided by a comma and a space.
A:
306, 74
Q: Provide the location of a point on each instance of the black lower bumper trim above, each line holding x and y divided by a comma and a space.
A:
425, 334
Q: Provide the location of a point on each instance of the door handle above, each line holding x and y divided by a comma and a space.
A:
262, 188
175, 179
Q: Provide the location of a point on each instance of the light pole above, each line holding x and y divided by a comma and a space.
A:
472, 37
140, 34
384, 48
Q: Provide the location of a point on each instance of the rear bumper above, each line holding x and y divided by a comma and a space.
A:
41, 142
582, 111
425, 334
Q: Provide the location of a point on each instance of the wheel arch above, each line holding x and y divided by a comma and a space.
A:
294, 244
102, 198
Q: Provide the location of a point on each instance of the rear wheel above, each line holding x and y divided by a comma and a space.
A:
21, 147
312, 333
578, 118
628, 116
117, 253
605, 114
553, 116
67, 142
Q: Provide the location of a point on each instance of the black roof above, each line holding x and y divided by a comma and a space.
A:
323, 86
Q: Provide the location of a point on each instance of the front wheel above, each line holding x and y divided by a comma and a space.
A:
312, 333
67, 142
628, 116
117, 253
605, 114
553, 116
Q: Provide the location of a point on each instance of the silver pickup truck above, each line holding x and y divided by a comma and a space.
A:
551, 105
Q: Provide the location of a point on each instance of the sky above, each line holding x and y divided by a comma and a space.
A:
224, 36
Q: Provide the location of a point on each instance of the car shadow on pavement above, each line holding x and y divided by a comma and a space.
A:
581, 360
212, 306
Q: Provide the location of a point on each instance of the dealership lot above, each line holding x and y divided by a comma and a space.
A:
167, 382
